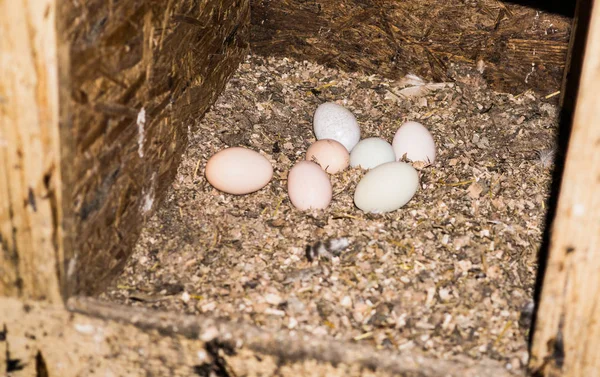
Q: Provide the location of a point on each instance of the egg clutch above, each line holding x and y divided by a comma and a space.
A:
390, 183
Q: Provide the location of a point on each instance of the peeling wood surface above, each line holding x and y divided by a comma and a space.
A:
567, 334
30, 168
105, 339
518, 48
142, 74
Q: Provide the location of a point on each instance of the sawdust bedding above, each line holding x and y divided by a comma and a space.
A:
450, 273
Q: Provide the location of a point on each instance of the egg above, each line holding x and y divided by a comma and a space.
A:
309, 186
415, 141
371, 152
387, 187
329, 154
238, 171
333, 121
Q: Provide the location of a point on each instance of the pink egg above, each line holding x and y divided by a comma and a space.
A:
309, 186
331, 155
415, 141
238, 171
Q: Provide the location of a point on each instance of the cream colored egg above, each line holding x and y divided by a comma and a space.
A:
386, 187
238, 171
332, 156
309, 186
415, 141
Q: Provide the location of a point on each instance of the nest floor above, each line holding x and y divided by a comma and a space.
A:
449, 274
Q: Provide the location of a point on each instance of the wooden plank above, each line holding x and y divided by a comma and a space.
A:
566, 340
30, 167
102, 339
516, 47
142, 73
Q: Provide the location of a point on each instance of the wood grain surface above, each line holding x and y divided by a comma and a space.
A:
30, 157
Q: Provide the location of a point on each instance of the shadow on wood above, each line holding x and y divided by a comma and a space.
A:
565, 8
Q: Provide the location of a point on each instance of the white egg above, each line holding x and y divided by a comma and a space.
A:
371, 152
332, 121
415, 141
386, 187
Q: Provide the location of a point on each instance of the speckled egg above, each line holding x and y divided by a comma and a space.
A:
387, 187
238, 171
371, 152
333, 121
309, 186
415, 141
329, 154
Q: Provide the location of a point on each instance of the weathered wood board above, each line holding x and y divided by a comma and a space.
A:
516, 47
108, 340
31, 235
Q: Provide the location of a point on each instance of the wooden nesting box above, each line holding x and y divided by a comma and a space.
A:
97, 99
